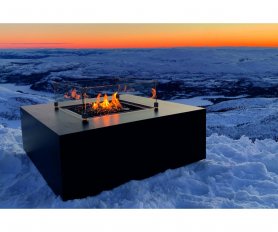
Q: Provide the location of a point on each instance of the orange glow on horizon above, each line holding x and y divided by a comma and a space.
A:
137, 35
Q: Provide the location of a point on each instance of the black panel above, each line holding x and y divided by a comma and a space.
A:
42, 146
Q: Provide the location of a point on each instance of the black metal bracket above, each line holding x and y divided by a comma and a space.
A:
56, 105
155, 105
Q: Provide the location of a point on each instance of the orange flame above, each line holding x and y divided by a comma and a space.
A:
96, 104
153, 93
73, 95
105, 105
115, 101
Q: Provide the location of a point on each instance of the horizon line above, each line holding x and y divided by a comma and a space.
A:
121, 48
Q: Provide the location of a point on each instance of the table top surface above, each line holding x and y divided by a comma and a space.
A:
64, 122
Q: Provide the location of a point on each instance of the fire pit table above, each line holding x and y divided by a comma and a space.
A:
81, 152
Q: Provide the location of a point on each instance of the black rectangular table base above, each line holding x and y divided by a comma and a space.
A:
79, 160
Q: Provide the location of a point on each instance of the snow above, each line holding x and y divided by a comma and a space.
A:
194, 101
12, 97
144, 62
238, 87
203, 100
253, 117
236, 174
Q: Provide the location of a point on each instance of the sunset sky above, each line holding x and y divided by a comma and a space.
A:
136, 35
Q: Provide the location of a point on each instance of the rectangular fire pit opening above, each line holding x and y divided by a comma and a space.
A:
80, 159
126, 107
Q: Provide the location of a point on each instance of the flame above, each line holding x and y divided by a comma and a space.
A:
105, 104
73, 95
96, 104
153, 93
111, 106
115, 101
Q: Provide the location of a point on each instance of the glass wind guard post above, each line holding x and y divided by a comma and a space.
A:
84, 106
58, 89
155, 96
56, 104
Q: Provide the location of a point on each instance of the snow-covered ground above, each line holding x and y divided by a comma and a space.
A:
238, 87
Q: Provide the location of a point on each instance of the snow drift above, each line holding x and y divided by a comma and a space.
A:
236, 174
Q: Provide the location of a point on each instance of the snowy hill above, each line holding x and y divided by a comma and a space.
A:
239, 88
